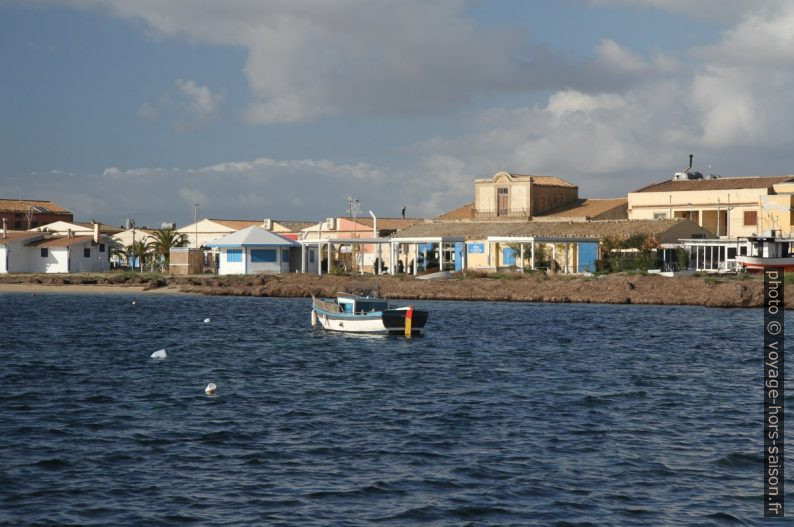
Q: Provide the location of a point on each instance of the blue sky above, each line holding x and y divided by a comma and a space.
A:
282, 109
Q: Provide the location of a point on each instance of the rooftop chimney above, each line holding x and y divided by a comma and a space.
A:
690, 162
96, 233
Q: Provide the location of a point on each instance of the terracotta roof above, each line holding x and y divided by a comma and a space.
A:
295, 226
62, 241
465, 212
237, 224
19, 235
388, 223
22, 205
577, 229
587, 208
760, 182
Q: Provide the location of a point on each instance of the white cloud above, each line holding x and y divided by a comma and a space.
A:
313, 59
199, 101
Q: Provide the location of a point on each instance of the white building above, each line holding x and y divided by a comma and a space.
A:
69, 254
255, 250
14, 253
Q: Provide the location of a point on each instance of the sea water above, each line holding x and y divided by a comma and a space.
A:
501, 414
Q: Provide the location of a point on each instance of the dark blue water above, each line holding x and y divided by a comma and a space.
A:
502, 414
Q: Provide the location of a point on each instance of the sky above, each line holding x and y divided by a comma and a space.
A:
283, 109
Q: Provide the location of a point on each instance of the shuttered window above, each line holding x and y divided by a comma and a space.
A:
750, 217
234, 255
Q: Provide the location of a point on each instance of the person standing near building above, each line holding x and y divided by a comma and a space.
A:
403, 212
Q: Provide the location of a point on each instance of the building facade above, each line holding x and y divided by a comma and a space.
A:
25, 214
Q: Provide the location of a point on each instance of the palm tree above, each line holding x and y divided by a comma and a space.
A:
141, 249
164, 239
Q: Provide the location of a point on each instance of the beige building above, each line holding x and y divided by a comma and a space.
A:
515, 197
727, 207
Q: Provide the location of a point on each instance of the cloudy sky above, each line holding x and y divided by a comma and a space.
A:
284, 108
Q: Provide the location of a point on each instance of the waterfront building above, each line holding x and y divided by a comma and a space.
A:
569, 247
25, 214
43, 252
727, 207
256, 250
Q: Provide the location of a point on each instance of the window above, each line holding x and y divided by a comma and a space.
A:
311, 256
101, 247
44, 252
659, 215
87, 252
501, 201
234, 255
285, 255
750, 217
17, 225
263, 256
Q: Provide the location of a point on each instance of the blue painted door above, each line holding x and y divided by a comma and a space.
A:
588, 254
459, 256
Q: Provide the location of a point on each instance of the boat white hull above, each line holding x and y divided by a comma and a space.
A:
373, 325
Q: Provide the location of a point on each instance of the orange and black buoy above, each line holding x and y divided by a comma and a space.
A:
409, 315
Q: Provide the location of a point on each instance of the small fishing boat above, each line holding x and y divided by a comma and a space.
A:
768, 250
364, 314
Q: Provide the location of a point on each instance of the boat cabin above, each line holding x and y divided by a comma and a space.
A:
351, 304
769, 245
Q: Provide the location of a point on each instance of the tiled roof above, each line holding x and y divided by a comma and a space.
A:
572, 229
388, 223
759, 182
587, 208
62, 241
19, 235
295, 226
237, 224
22, 205
465, 212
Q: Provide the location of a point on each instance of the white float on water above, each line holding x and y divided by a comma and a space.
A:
159, 354
210, 389
133, 302
207, 320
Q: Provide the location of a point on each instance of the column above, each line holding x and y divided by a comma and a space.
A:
379, 270
441, 256
464, 253
553, 255
522, 257
330, 257
303, 259
532, 255
567, 253
416, 253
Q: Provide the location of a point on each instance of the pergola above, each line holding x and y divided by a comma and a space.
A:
567, 241
395, 249
441, 241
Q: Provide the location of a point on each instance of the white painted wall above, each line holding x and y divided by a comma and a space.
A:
96, 262
226, 267
249, 267
3, 265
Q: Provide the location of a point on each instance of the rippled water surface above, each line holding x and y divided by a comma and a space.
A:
502, 414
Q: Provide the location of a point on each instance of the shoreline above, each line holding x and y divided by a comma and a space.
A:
707, 291
86, 289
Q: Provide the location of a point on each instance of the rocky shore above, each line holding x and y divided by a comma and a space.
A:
610, 289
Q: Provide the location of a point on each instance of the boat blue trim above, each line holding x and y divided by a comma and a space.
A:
337, 315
